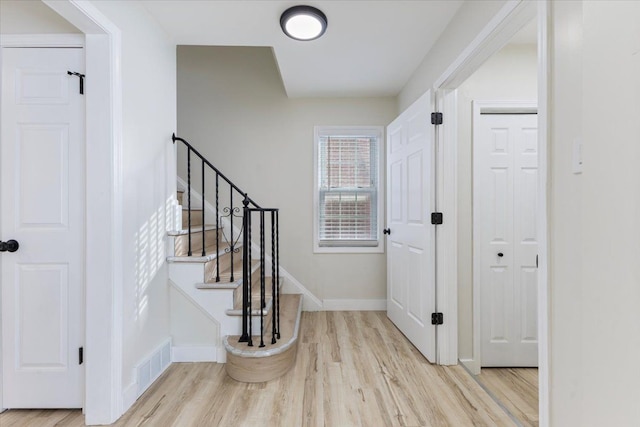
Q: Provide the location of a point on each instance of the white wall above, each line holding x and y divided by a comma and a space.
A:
232, 107
149, 118
463, 28
594, 217
31, 17
511, 74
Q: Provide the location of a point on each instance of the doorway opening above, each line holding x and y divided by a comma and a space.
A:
497, 128
500, 76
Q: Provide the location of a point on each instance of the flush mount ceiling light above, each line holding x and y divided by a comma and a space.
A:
303, 23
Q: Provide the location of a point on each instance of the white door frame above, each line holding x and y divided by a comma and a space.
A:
511, 17
500, 107
104, 195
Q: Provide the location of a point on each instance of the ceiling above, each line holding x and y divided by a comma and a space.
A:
371, 48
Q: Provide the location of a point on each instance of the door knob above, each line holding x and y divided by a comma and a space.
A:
9, 246
500, 254
386, 231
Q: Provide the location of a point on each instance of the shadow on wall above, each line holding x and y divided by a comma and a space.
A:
150, 254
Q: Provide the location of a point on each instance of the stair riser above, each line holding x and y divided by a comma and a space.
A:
224, 262
182, 242
255, 364
180, 197
196, 219
255, 284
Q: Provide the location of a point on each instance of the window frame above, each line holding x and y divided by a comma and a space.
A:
349, 246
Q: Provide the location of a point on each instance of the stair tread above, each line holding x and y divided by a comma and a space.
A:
194, 229
203, 259
255, 293
225, 274
218, 285
290, 308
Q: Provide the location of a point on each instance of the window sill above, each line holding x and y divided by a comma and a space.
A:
379, 249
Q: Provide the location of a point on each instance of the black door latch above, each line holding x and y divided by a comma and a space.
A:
81, 76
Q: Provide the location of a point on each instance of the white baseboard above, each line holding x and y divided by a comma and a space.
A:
195, 353
291, 286
354, 304
146, 372
130, 395
471, 365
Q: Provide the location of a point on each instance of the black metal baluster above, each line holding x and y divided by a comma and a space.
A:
189, 197
278, 272
273, 277
245, 271
248, 278
204, 240
231, 245
262, 284
217, 230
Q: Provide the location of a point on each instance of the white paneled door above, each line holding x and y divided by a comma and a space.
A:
506, 244
42, 200
411, 239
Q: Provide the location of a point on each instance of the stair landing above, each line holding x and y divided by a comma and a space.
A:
258, 364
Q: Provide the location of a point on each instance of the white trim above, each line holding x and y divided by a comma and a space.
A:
473, 366
354, 305
500, 29
41, 40
511, 17
104, 229
291, 285
194, 353
482, 107
372, 131
495, 34
544, 106
447, 233
130, 394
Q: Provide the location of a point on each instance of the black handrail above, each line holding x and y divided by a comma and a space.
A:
174, 138
249, 208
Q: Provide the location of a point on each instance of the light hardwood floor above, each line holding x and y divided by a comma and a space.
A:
352, 369
517, 390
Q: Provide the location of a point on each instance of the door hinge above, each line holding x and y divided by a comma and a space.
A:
436, 218
436, 118
80, 355
437, 319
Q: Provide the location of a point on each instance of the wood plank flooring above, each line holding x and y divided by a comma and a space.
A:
352, 369
517, 390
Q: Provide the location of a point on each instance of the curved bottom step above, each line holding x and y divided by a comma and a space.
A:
255, 364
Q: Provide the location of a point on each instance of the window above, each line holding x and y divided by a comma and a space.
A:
347, 189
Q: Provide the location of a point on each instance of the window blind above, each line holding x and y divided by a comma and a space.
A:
348, 186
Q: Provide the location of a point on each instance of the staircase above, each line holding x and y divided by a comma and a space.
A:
226, 261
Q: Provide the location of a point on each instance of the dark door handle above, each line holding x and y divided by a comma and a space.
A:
500, 254
386, 231
9, 246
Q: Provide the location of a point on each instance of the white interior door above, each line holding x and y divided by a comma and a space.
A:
42, 200
505, 236
411, 241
